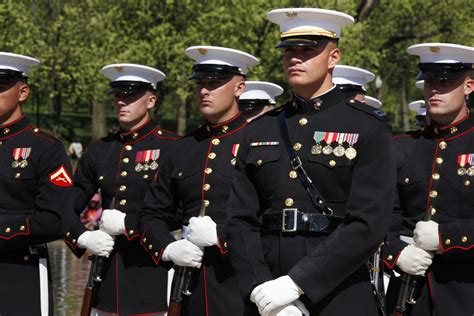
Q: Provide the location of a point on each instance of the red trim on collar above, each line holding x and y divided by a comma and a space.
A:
232, 132
14, 122
137, 129
21, 131
226, 122
455, 123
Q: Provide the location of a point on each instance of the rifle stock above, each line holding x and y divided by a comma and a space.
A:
174, 309
92, 282
86, 302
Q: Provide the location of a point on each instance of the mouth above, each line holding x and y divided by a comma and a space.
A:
295, 70
205, 102
434, 101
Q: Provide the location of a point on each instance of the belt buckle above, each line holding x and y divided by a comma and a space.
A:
296, 163
289, 220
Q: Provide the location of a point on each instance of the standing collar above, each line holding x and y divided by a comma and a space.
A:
14, 127
319, 103
137, 133
451, 130
224, 128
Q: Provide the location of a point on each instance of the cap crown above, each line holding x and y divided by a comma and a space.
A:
261, 90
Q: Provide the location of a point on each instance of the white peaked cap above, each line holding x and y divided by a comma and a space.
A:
351, 75
420, 84
418, 106
373, 102
442, 53
133, 72
261, 90
222, 56
17, 62
309, 21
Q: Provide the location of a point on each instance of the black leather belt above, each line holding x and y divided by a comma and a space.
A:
291, 220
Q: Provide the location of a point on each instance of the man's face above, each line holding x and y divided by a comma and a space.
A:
218, 96
133, 108
11, 94
308, 65
446, 97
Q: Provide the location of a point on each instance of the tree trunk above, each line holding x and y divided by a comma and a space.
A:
99, 122
181, 116
405, 119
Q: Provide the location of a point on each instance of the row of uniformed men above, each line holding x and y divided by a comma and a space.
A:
295, 202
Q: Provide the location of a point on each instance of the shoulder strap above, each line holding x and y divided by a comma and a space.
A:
297, 166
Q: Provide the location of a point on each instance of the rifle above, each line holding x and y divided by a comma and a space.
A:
182, 282
94, 280
407, 288
374, 272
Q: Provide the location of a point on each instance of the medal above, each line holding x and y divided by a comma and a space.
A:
316, 149
15, 164
146, 167
318, 137
351, 153
470, 171
154, 165
462, 171
327, 150
462, 161
233, 161
329, 138
339, 151
23, 164
24, 153
138, 167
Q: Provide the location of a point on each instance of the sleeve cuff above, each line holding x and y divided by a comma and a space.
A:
453, 236
12, 230
152, 246
131, 226
391, 250
222, 240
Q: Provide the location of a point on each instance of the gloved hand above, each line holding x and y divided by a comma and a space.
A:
426, 236
202, 231
183, 253
297, 308
274, 294
97, 242
112, 222
414, 260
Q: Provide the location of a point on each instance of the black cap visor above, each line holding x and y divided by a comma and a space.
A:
352, 88
214, 71
130, 87
252, 105
442, 71
7, 75
304, 41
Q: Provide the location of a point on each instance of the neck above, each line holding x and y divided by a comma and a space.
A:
223, 117
11, 117
130, 126
314, 90
450, 119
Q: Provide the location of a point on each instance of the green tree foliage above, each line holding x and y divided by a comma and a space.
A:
75, 39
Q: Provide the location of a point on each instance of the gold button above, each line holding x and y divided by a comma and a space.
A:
390, 257
433, 194
206, 203
206, 187
216, 141
73, 241
289, 202
464, 239
17, 175
435, 176
439, 160
123, 202
156, 254
101, 178
453, 129
467, 183
433, 211
123, 173
297, 146
26, 258
447, 241
8, 229
303, 121
259, 162
352, 101
22, 228
150, 247
135, 135
36, 130
293, 174
68, 234
443, 145
160, 132
131, 232
225, 244
225, 128
407, 180
128, 147
144, 240
180, 174
208, 170
122, 188
332, 163
125, 160
6, 131
145, 176
211, 155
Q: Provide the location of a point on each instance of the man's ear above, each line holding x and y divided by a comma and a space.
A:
151, 101
334, 57
239, 88
468, 85
23, 92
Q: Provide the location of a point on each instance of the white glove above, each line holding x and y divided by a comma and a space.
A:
183, 253
426, 235
414, 260
274, 294
97, 242
113, 222
297, 308
202, 231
